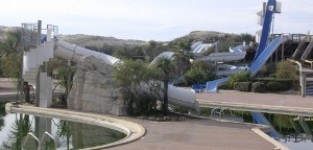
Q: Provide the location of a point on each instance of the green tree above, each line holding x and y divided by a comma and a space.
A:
65, 75
11, 55
167, 67
139, 85
181, 61
153, 49
200, 72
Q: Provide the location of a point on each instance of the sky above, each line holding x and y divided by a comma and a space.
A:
160, 20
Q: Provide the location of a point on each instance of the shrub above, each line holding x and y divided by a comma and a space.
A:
243, 76
198, 75
258, 87
267, 70
285, 70
242, 86
275, 86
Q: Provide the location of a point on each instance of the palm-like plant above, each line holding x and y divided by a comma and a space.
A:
167, 67
21, 127
65, 131
181, 60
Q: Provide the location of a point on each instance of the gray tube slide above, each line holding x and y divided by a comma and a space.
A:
178, 96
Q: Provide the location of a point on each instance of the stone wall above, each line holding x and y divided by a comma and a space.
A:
94, 89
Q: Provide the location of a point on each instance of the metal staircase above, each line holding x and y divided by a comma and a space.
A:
309, 86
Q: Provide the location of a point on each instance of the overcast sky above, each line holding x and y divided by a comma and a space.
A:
154, 19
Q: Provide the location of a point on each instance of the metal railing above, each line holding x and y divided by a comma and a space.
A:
39, 142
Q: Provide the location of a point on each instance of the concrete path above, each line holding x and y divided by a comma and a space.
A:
197, 135
264, 102
8, 91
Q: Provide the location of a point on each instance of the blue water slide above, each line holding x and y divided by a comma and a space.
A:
259, 118
271, 4
265, 55
212, 86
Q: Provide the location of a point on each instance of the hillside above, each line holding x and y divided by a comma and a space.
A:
99, 40
109, 45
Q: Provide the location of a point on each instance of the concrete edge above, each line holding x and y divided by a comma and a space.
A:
261, 108
278, 145
132, 130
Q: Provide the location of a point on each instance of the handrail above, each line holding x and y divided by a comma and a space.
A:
39, 142
301, 77
34, 137
50, 136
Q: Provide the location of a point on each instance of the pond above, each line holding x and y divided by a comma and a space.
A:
293, 131
14, 128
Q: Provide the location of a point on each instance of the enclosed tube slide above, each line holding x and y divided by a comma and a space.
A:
176, 95
224, 57
72, 52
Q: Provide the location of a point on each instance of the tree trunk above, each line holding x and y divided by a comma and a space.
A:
26, 92
165, 98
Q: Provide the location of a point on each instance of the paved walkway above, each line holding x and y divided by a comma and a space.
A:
197, 135
267, 102
8, 90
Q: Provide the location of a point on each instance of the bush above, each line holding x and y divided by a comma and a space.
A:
275, 86
198, 75
242, 86
243, 76
285, 70
258, 87
267, 70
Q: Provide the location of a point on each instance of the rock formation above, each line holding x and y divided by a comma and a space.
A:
94, 90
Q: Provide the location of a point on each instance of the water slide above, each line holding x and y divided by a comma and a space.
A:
266, 54
227, 70
223, 57
199, 47
266, 28
178, 96
211, 86
259, 118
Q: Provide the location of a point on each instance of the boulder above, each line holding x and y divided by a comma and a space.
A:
94, 90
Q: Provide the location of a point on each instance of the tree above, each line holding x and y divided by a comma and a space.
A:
166, 66
200, 72
181, 61
139, 85
153, 49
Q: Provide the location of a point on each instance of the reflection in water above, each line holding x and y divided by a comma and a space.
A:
68, 135
2, 114
296, 131
64, 131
